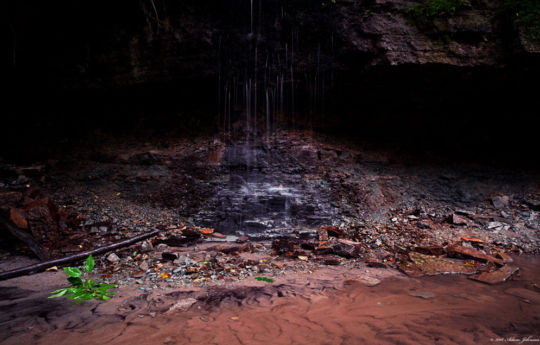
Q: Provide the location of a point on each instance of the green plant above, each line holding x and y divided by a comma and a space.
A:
84, 289
431, 9
264, 279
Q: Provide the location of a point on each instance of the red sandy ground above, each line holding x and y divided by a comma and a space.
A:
318, 308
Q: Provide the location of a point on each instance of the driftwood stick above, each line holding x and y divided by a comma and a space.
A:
73, 258
26, 238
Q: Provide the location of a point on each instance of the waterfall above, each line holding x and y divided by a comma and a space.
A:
267, 115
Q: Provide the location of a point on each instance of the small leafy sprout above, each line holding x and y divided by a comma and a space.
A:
264, 279
84, 289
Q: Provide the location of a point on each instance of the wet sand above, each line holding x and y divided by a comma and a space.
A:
326, 307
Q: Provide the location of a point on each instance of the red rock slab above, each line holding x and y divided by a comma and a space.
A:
505, 257
18, 218
457, 251
499, 276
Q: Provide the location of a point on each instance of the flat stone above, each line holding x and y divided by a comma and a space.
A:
423, 294
183, 304
113, 258
218, 235
499, 276
242, 239
461, 251
368, 281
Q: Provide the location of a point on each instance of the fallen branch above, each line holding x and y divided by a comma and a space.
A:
73, 258
26, 238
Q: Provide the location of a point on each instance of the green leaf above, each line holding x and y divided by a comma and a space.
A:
75, 281
91, 283
106, 286
264, 279
58, 293
89, 264
73, 271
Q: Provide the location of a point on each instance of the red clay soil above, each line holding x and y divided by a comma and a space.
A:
325, 307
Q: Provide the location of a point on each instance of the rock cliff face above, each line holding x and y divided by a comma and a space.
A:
368, 66
104, 44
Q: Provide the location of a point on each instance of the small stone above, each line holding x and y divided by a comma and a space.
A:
113, 258
303, 258
162, 247
500, 201
424, 295
332, 261
169, 256
206, 231
464, 213
242, 239
191, 270
143, 266
495, 225
458, 220
184, 304
146, 247
375, 263
368, 281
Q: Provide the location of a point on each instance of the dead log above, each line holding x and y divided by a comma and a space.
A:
26, 238
74, 258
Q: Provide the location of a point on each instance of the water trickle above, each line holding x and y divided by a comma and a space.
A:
251, 17
264, 191
267, 115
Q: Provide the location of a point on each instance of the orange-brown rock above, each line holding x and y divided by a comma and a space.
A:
18, 217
